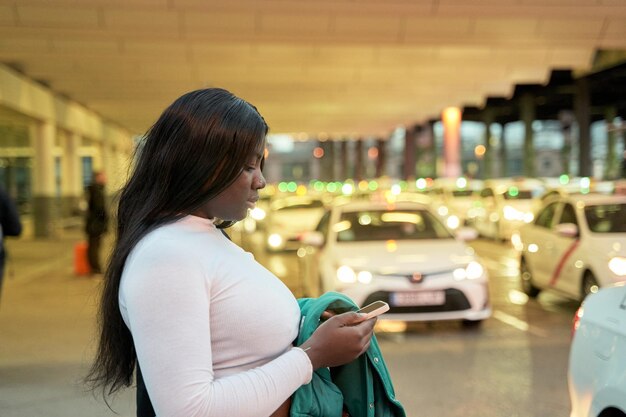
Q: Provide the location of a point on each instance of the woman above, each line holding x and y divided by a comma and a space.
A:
209, 327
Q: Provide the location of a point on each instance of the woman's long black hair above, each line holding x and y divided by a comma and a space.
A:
194, 151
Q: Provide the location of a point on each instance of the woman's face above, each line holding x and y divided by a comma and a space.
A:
233, 203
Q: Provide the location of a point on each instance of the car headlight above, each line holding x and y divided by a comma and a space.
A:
511, 213
275, 240
453, 222
617, 265
473, 270
349, 275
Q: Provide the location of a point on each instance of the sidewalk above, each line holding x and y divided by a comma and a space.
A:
47, 333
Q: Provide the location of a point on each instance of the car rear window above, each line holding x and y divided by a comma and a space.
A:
362, 226
606, 218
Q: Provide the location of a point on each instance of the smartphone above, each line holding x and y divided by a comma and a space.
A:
374, 309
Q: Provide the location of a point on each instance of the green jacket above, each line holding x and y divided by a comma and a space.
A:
363, 386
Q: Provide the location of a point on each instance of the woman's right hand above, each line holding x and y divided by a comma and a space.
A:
339, 340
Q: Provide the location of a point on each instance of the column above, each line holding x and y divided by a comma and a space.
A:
381, 159
344, 172
315, 164
44, 208
611, 170
488, 120
71, 179
504, 157
451, 118
358, 160
410, 145
327, 163
566, 117
527, 113
582, 110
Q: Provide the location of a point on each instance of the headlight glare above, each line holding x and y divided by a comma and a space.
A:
617, 265
474, 270
346, 274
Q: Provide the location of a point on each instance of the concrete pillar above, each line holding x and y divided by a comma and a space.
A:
344, 171
382, 157
527, 113
488, 120
451, 118
72, 176
504, 157
327, 163
358, 160
431, 149
315, 163
45, 213
410, 145
611, 170
582, 110
566, 117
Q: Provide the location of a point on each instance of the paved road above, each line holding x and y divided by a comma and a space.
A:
514, 365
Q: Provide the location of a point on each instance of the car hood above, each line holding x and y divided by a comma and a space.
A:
424, 256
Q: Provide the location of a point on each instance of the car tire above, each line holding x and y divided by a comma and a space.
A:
589, 282
526, 279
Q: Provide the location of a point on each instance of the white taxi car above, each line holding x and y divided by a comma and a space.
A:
505, 206
398, 252
597, 364
576, 244
288, 217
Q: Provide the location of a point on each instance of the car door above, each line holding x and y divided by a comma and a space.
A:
538, 243
564, 274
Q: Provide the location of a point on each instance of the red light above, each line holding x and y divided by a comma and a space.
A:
372, 153
576, 321
318, 152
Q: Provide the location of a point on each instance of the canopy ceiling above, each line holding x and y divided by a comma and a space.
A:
312, 67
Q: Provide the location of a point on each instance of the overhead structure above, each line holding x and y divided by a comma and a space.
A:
340, 68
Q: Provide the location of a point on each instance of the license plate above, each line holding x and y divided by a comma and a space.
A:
418, 298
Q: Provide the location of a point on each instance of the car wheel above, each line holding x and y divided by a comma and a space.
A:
527, 280
589, 284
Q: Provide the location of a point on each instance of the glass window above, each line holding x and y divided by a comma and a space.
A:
545, 216
361, 226
322, 226
606, 218
568, 215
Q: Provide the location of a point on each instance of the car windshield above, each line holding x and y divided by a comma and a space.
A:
303, 205
606, 218
462, 193
515, 194
374, 225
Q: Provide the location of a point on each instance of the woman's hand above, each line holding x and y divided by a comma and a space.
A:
339, 340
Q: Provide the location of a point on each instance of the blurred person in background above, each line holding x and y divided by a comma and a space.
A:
10, 225
206, 329
96, 221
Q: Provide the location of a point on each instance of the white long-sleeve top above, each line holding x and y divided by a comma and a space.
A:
212, 328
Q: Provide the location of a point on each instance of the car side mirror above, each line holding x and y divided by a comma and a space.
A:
467, 234
566, 230
313, 238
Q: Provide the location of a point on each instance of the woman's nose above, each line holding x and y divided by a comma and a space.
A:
260, 182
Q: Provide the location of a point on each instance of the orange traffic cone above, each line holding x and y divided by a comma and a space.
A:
81, 264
